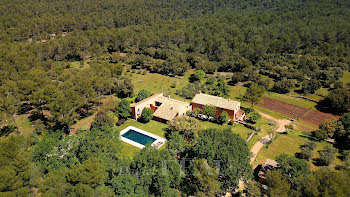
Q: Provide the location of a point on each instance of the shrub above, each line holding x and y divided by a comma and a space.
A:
142, 95
223, 118
144, 72
289, 127
146, 115
327, 155
306, 153
173, 85
123, 109
209, 110
197, 111
197, 76
139, 72
309, 144
101, 119
253, 117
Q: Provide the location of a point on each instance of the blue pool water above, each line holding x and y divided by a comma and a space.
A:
138, 137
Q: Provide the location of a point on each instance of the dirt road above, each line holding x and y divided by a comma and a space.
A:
280, 124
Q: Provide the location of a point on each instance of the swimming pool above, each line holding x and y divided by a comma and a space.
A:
140, 138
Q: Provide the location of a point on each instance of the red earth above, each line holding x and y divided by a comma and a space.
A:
312, 116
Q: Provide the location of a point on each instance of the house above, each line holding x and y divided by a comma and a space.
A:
268, 165
164, 108
221, 104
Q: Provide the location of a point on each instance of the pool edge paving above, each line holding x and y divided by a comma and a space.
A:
138, 145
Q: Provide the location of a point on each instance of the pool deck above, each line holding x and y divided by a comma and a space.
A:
159, 140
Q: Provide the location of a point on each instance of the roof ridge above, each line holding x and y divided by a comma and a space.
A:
222, 98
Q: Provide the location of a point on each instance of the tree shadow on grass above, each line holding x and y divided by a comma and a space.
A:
308, 135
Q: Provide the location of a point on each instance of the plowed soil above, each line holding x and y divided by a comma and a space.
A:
312, 116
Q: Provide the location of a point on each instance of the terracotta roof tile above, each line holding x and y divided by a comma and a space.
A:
205, 99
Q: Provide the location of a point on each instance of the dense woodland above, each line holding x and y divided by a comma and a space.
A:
300, 45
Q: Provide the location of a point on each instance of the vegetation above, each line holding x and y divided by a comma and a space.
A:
254, 94
101, 119
123, 109
186, 126
307, 150
223, 117
209, 110
142, 95
253, 117
60, 59
146, 115
229, 149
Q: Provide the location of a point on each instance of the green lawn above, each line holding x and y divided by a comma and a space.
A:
237, 92
322, 91
346, 77
237, 128
290, 100
154, 127
290, 144
157, 128
157, 83
284, 143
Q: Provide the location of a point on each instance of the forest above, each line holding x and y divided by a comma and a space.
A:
59, 59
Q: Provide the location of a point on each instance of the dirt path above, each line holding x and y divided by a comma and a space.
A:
280, 124
256, 148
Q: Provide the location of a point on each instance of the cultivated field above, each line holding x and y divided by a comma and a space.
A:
308, 115
317, 117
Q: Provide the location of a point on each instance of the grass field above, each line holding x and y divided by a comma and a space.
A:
322, 91
290, 145
24, 125
237, 128
157, 83
346, 77
293, 101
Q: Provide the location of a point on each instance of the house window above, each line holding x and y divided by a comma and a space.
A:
195, 105
220, 109
138, 111
199, 105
